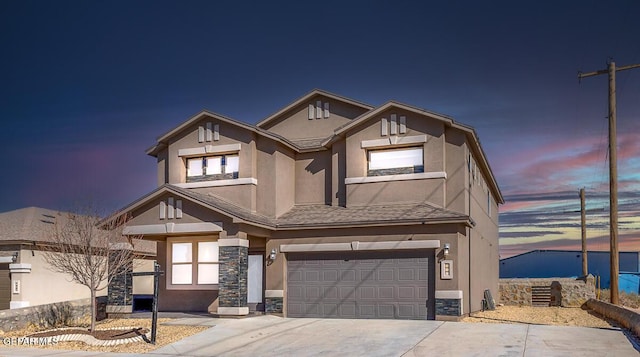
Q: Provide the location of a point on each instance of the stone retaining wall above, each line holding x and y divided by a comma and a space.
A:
565, 292
624, 317
58, 314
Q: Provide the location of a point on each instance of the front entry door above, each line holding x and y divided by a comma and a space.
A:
254, 283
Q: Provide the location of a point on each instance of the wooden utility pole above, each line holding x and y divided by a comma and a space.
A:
613, 174
583, 221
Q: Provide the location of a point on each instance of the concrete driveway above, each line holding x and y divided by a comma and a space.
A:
275, 336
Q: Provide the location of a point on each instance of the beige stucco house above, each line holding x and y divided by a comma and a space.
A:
26, 279
328, 208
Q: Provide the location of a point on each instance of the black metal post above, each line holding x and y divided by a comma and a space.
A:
154, 316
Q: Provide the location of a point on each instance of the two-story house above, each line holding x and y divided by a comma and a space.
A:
327, 208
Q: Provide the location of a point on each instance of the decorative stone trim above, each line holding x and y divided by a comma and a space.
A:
393, 140
119, 309
16, 304
209, 149
402, 177
92, 341
233, 242
216, 183
356, 245
273, 293
20, 268
449, 302
167, 228
234, 311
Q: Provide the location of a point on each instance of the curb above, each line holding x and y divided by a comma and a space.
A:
625, 317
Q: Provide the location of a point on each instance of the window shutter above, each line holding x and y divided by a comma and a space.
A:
209, 135
163, 210
200, 134
403, 124
170, 210
178, 209
394, 125
384, 128
312, 111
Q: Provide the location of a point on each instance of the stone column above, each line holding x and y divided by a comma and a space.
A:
120, 290
234, 263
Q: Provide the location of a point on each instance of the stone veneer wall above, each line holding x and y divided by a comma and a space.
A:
448, 307
234, 263
68, 313
273, 304
565, 292
120, 290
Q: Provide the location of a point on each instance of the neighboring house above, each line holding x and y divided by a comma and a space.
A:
26, 279
565, 264
327, 208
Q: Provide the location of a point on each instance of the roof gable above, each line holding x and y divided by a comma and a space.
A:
163, 140
304, 99
470, 133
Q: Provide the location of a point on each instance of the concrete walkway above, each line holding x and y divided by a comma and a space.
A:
275, 336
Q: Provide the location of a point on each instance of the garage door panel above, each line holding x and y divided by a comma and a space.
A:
386, 284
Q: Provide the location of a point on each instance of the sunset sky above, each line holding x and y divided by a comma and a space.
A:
87, 86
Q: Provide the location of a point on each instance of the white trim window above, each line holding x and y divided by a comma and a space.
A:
193, 264
395, 161
221, 167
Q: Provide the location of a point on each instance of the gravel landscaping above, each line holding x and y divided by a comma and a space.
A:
166, 334
562, 316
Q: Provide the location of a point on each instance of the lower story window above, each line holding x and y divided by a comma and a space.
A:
213, 168
395, 161
193, 264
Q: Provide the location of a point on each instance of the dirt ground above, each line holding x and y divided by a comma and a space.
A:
563, 316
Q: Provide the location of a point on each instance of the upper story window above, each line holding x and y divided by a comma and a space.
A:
395, 161
218, 167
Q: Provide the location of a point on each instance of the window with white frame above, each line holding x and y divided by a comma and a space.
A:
395, 161
213, 167
193, 264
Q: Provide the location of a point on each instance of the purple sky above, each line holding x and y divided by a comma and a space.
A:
87, 86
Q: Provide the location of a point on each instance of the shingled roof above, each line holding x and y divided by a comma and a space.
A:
35, 224
310, 216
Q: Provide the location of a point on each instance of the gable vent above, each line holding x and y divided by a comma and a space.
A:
319, 110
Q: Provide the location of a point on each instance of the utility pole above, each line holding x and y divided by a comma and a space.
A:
613, 173
583, 221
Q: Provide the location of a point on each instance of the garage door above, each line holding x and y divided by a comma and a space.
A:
5, 287
374, 285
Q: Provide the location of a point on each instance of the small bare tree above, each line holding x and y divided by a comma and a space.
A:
80, 246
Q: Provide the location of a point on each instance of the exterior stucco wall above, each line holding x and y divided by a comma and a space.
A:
313, 178
295, 123
422, 190
285, 183
58, 287
456, 168
484, 240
